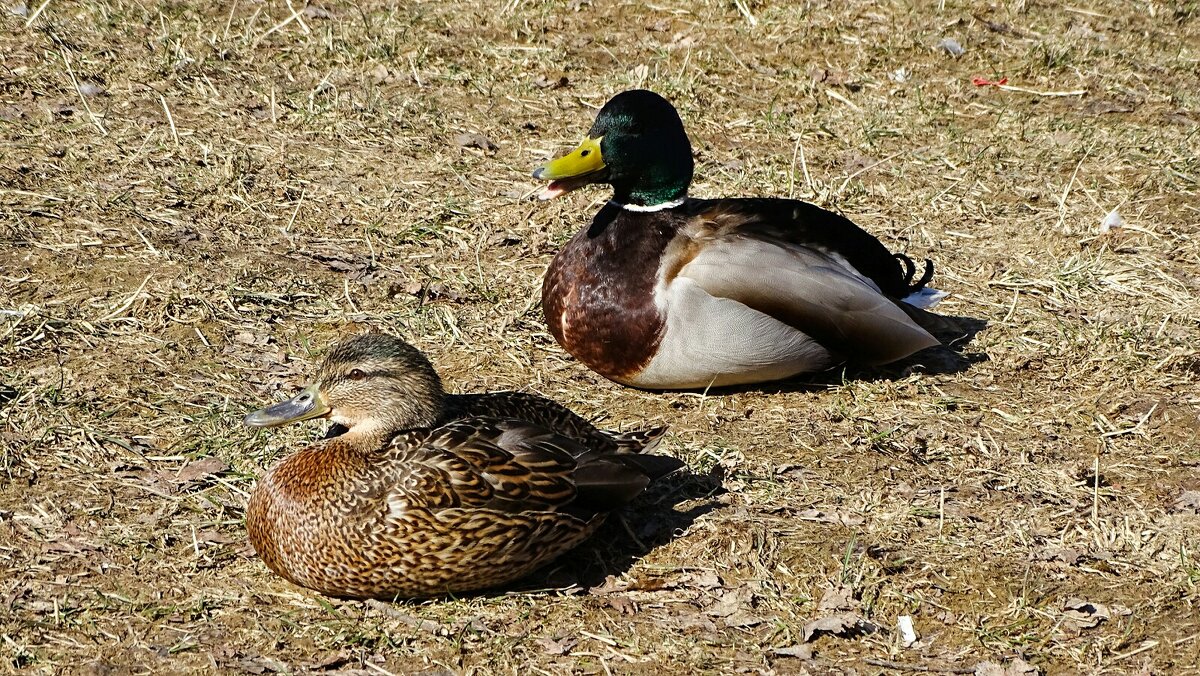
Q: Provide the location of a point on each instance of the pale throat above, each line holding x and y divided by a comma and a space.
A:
364, 429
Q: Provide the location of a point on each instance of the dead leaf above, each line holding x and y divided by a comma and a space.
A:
622, 604
610, 585
1188, 502
335, 660
1068, 556
560, 646
1082, 614
503, 239
742, 619
71, 545
801, 651
434, 291
1103, 107
212, 537
315, 12
731, 602
838, 598
695, 621
473, 140
702, 579
841, 625
200, 469
249, 338
413, 621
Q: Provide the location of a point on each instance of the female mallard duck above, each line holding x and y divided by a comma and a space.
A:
424, 493
664, 291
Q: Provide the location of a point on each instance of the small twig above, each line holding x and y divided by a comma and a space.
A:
1148, 645
82, 98
413, 66
1011, 88
170, 120
941, 510
295, 211
838, 97
346, 290
36, 13
741, 5
1062, 202
128, 301
376, 667
1012, 308
278, 26
299, 17
798, 153
144, 240
229, 20
901, 666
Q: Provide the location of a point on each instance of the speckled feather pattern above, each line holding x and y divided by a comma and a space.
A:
482, 499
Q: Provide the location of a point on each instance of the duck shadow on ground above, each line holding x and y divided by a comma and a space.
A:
660, 515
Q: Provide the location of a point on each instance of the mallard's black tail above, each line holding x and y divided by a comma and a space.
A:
910, 271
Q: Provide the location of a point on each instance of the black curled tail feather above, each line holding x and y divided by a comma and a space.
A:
910, 271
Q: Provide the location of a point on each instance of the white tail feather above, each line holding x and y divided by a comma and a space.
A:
925, 298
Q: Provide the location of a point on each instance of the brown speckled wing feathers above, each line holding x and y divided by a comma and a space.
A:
484, 464
509, 466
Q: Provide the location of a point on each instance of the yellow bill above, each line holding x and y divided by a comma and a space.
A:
571, 171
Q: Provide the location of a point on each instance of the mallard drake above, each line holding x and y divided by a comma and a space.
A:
665, 291
420, 493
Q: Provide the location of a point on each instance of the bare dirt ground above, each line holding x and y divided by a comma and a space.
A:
197, 199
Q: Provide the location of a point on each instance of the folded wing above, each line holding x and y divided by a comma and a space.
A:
812, 289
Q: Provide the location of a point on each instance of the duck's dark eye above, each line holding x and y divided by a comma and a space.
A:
585, 153
356, 374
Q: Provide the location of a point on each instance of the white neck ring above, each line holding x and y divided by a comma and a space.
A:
651, 207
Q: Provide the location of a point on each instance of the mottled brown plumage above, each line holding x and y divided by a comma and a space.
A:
425, 494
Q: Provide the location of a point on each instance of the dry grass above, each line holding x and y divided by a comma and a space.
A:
195, 200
